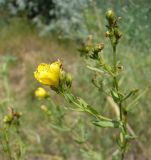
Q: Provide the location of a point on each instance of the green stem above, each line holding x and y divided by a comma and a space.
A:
123, 116
123, 140
114, 57
72, 99
125, 129
120, 108
115, 68
8, 151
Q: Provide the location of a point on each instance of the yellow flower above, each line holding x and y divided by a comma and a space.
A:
48, 74
41, 93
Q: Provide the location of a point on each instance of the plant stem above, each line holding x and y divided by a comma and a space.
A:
114, 57
75, 101
123, 140
123, 114
115, 69
8, 151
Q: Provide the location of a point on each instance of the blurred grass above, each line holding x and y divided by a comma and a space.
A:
20, 39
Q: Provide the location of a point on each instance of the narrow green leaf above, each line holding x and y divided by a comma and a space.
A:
69, 97
130, 137
87, 107
115, 96
133, 92
82, 103
107, 124
60, 128
95, 69
79, 141
134, 102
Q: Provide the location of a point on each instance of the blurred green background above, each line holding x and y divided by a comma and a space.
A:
35, 31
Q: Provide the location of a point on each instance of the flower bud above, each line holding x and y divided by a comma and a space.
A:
62, 76
18, 114
117, 33
107, 34
45, 109
110, 16
41, 93
68, 80
100, 46
89, 40
8, 119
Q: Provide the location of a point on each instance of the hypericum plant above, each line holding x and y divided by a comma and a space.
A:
58, 80
13, 150
11, 143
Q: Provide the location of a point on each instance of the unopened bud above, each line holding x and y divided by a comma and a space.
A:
89, 40
62, 76
87, 49
107, 34
118, 33
100, 46
8, 119
41, 93
68, 80
44, 108
110, 16
18, 114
